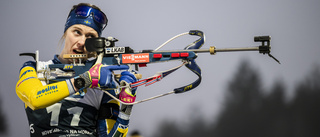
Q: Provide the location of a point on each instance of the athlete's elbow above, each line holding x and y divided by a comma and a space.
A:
25, 98
35, 105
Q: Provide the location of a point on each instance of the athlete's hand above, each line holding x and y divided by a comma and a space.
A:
101, 76
127, 94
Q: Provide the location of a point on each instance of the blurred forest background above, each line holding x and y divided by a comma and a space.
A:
250, 110
3, 122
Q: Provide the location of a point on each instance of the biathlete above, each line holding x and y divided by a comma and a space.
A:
58, 109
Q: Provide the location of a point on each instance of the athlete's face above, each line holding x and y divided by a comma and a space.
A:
75, 38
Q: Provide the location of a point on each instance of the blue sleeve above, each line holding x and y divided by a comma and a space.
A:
30, 64
110, 111
102, 128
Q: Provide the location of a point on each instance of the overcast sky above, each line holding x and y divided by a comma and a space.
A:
294, 26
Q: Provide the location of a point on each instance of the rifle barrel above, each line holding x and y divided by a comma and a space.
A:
237, 49
211, 50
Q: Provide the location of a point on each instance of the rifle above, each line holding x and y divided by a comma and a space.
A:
109, 54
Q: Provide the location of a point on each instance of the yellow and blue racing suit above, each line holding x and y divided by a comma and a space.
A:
57, 110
